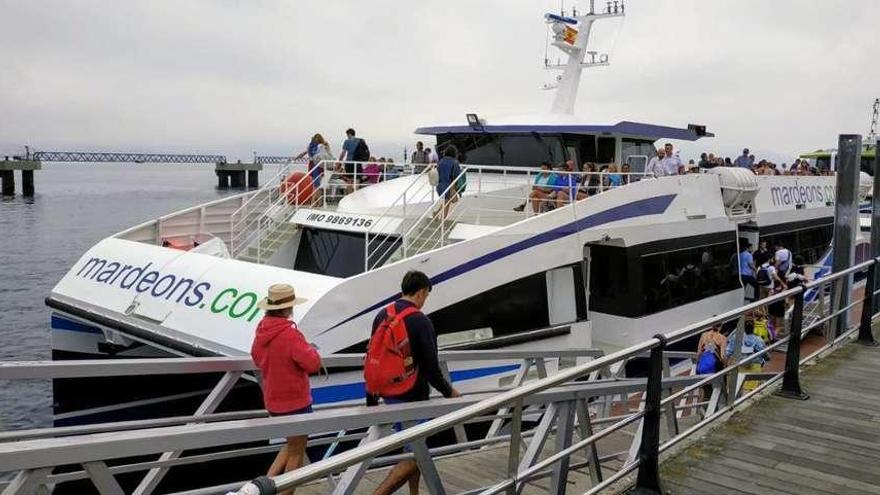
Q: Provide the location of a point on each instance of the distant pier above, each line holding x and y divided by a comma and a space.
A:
238, 175
7, 176
229, 175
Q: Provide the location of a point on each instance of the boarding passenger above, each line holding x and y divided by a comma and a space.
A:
420, 157
285, 361
747, 270
751, 344
354, 151
318, 150
783, 259
448, 171
423, 373
762, 254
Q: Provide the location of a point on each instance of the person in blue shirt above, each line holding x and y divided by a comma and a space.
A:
448, 171
541, 189
565, 184
747, 269
751, 344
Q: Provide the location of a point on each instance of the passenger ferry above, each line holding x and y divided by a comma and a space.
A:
633, 256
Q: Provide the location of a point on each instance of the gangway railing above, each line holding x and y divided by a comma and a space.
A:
254, 224
233, 369
649, 440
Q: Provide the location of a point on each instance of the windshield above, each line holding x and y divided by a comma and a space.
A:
511, 150
340, 254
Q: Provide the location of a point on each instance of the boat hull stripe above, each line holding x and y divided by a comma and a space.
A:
651, 206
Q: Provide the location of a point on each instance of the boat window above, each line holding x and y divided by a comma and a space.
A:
679, 277
641, 280
636, 148
340, 254
507, 309
605, 147
510, 150
811, 243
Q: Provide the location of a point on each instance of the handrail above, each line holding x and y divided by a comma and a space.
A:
511, 398
88, 368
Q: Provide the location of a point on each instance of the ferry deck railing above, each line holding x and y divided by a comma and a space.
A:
493, 195
253, 225
660, 392
533, 364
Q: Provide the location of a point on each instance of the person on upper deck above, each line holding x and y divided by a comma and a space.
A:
448, 171
541, 189
420, 156
672, 164
655, 164
565, 185
744, 160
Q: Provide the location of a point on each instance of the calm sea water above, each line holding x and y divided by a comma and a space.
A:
75, 206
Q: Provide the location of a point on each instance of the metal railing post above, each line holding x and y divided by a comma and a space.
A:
648, 480
515, 440
791, 384
866, 335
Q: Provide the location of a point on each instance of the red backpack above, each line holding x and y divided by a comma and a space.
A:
389, 369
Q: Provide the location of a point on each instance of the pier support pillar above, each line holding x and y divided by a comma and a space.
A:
222, 179
253, 178
237, 178
846, 221
27, 183
875, 220
7, 183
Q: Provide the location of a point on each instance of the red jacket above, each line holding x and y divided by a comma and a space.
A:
285, 360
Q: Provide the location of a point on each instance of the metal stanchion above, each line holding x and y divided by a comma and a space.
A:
866, 335
648, 480
791, 383
846, 218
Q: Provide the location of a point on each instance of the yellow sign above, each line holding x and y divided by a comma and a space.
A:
569, 35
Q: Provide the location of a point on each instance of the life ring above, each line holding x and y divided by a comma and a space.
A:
298, 188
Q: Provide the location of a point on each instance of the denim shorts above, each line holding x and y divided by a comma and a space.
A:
304, 410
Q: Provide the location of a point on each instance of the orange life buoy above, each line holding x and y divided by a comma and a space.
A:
298, 188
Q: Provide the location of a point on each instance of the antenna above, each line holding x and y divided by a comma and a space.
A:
872, 135
571, 35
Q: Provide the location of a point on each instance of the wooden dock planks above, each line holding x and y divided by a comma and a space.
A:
829, 444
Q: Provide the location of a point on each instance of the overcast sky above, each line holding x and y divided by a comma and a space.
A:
232, 77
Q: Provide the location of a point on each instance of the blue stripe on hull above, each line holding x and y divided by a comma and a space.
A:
354, 391
60, 323
642, 207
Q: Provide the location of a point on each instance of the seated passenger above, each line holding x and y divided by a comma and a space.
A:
541, 189
614, 178
565, 185
373, 172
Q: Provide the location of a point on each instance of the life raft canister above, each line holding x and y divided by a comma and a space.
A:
298, 188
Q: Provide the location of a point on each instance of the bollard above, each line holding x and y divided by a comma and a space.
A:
648, 480
866, 334
791, 382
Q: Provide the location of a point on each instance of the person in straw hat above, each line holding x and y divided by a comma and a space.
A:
285, 360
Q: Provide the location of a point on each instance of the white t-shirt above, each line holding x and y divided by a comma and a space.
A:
671, 164
655, 167
783, 257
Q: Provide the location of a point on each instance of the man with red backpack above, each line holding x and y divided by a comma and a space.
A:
402, 364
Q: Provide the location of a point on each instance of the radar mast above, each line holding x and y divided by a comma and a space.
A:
571, 35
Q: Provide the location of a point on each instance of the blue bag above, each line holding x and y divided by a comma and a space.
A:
707, 363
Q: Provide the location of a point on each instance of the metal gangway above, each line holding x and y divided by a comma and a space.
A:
586, 428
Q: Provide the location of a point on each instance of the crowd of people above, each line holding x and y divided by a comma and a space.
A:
767, 272
667, 162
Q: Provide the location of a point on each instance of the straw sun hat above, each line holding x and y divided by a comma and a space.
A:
280, 296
